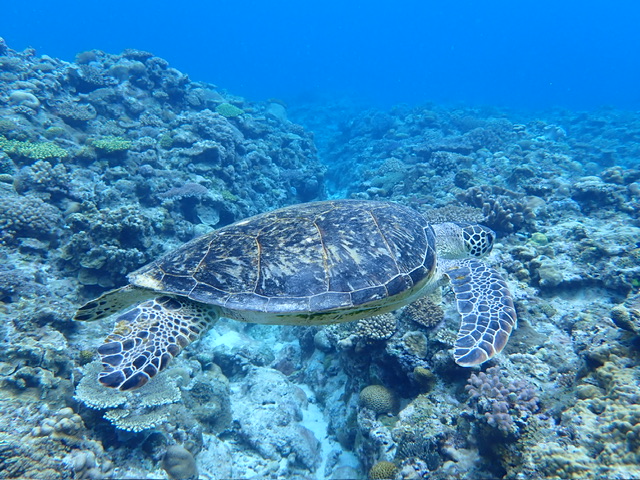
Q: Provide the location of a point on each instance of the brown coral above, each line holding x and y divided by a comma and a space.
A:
382, 470
503, 209
424, 311
378, 398
363, 332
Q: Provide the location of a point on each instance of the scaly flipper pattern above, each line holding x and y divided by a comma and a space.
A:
112, 302
146, 337
486, 307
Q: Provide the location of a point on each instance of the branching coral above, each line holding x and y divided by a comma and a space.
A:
504, 210
26, 217
505, 404
363, 332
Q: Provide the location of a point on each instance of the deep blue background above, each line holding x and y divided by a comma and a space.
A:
532, 54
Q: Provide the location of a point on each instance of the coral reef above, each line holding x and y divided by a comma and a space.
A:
111, 160
27, 217
504, 403
378, 398
424, 311
363, 332
503, 210
383, 470
134, 412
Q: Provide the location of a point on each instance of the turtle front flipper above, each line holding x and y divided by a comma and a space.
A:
486, 306
146, 337
112, 302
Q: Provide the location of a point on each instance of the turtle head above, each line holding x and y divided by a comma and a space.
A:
478, 239
457, 240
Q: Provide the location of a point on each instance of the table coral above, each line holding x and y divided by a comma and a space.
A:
32, 150
133, 412
228, 110
111, 144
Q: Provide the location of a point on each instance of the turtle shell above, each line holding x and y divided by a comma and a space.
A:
307, 258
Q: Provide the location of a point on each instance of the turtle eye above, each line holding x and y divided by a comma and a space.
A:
490, 239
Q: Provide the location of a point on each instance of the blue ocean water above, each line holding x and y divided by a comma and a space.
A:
576, 54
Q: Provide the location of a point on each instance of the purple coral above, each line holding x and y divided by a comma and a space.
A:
504, 403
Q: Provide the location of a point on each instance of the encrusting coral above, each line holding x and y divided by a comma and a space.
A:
424, 311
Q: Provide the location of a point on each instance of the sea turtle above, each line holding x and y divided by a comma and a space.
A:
309, 264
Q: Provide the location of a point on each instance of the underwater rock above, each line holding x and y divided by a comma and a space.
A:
207, 397
268, 410
179, 463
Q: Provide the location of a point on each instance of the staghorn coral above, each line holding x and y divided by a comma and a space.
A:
378, 398
504, 404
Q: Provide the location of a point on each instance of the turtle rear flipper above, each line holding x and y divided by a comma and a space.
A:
146, 337
112, 302
486, 307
